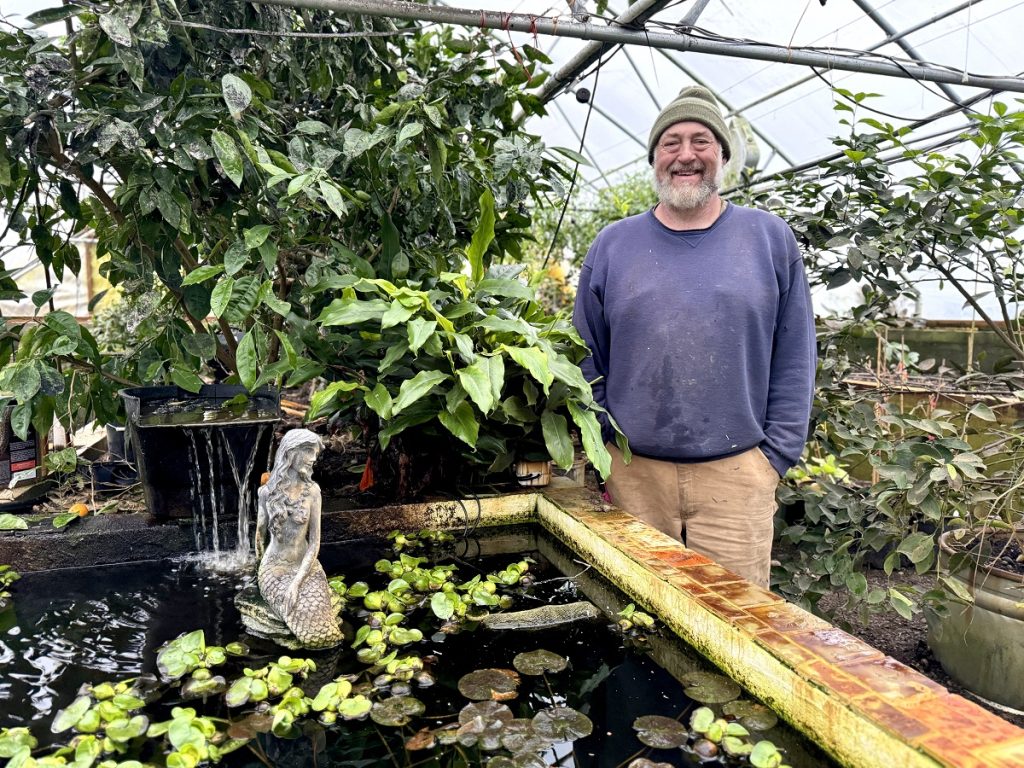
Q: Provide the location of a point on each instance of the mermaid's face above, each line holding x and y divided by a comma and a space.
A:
305, 458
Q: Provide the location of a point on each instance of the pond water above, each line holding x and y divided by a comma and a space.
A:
73, 627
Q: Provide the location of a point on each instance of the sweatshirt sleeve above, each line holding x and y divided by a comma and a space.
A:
793, 366
589, 319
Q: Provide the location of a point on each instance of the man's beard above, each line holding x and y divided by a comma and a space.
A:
687, 197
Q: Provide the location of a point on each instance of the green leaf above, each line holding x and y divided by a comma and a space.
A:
117, 30
593, 444
397, 314
61, 520
256, 236
202, 274
25, 382
221, 296
227, 153
323, 400
462, 423
482, 236
419, 331
352, 311
415, 388
390, 240
917, 546
982, 411
476, 380
501, 287
379, 401
9, 522
557, 439
246, 359
68, 717
237, 94
21, 419
185, 378
573, 155
535, 361
901, 603
235, 258
333, 197
443, 605
409, 131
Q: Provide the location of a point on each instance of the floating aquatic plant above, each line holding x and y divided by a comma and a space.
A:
538, 662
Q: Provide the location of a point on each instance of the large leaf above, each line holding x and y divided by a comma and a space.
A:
221, 296
482, 237
227, 153
415, 388
203, 273
246, 359
235, 258
352, 311
535, 361
379, 401
590, 432
556, 438
476, 380
237, 94
419, 331
462, 423
323, 400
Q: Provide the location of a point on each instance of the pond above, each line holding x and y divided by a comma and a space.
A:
75, 627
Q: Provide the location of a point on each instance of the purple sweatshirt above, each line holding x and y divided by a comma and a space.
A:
703, 340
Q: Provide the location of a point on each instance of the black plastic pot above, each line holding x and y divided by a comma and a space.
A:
191, 468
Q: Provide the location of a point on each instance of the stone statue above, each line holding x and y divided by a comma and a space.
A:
298, 600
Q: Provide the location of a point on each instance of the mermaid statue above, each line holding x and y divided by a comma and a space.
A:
296, 599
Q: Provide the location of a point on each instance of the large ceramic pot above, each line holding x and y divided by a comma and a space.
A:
981, 645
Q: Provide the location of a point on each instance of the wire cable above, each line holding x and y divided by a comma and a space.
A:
576, 167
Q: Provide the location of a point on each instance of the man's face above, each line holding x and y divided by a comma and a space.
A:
688, 166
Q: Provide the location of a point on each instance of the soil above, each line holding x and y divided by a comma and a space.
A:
905, 640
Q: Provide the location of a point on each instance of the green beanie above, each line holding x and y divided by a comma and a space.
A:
693, 103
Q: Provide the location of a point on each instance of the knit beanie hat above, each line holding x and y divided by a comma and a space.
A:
693, 103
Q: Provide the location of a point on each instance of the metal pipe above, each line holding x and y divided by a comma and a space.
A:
619, 125
535, 25
892, 38
946, 112
900, 40
637, 13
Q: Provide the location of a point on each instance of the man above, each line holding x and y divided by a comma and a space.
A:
698, 314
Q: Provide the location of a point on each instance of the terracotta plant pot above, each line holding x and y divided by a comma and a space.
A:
981, 645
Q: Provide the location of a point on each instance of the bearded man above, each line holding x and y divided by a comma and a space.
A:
698, 315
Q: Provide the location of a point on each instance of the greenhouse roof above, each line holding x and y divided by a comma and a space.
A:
789, 107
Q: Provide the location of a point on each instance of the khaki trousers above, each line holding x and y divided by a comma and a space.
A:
725, 507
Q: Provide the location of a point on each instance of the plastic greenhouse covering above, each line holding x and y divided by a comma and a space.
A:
785, 110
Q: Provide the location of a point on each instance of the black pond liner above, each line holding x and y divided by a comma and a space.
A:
75, 626
188, 465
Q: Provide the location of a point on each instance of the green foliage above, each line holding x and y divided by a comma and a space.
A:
896, 216
305, 215
7, 577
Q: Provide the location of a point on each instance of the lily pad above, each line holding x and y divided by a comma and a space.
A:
519, 760
488, 710
643, 762
710, 688
538, 662
562, 724
396, 711
484, 684
753, 716
424, 738
485, 734
660, 732
520, 736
